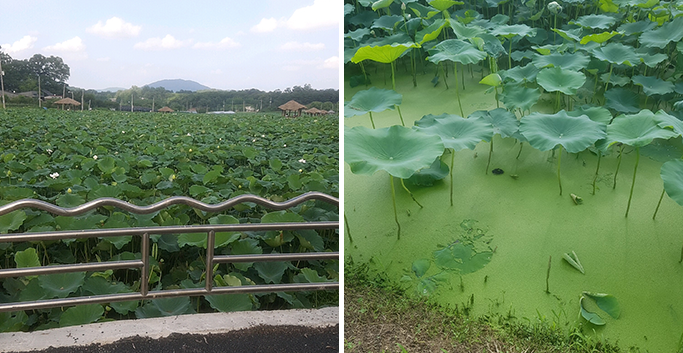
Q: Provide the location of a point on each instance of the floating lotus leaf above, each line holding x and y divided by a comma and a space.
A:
509, 31
598, 114
636, 130
372, 100
466, 32
420, 267
636, 27
599, 37
444, 4
568, 61
519, 97
653, 85
591, 317
607, 302
427, 176
672, 175
667, 33
622, 100
398, 150
616, 53
456, 50
461, 257
546, 131
387, 22
557, 79
595, 21
504, 122
667, 121
520, 74
431, 32
455, 132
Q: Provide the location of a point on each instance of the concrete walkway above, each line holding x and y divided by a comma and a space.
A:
109, 332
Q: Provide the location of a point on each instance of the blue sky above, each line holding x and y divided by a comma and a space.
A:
262, 44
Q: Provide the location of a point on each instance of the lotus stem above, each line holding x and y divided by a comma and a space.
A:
365, 75
611, 66
348, 230
393, 199
547, 275
557, 101
497, 103
490, 153
521, 144
400, 115
451, 171
621, 151
635, 169
596, 171
681, 260
410, 193
658, 203
510, 55
372, 121
457, 90
393, 79
559, 160
443, 73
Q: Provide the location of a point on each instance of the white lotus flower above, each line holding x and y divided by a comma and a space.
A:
54, 175
554, 7
302, 160
94, 157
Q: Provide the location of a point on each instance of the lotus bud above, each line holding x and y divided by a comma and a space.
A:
403, 6
554, 7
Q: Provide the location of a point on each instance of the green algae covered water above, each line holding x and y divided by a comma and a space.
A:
524, 221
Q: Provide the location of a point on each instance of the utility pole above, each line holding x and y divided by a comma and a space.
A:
242, 105
82, 95
152, 104
2, 85
40, 102
131, 101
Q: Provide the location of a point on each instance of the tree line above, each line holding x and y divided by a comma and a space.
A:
22, 76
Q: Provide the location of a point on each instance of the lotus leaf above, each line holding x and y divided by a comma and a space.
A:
598, 114
461, 257
518, 97
504, 123
81, 315
430, 32
387, 22
607, 302
672, 175
466, 32
380, 4
422, 11
667, 121
616, 53
653, 85
520, 74
348, 9
372, 100
667, 33
650, 59
427, 176
595, 21
568, 61
386, 53
509, 31
398, 150
636, 130
442, 5
591, 317
26, 258
12, 221
615, 80
622, 100
545, 131
572, 35
493, 80
60, 285
558, 79
165, 307
457, 51
636, 27
599, 37
420, 267
230, 302
455, 132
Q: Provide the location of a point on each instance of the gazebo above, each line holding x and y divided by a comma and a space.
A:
292, 106
315, 111
165, 110
65, 101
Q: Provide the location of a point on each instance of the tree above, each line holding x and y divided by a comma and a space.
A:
52, 70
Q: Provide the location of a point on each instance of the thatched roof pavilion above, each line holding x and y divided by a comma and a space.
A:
67, 101
315, 111
292, 106
165, 110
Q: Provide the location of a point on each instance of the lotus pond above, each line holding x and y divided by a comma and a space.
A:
521, 158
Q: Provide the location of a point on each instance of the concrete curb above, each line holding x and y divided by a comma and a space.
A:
109, 332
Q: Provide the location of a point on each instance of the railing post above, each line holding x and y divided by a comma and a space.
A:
210, 243
144, 277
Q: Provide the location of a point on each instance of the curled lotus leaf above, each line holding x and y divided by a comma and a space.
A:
668, 121
599, 37
398, 150
455, 131
546, 131
599, 114
636, 130
672, 176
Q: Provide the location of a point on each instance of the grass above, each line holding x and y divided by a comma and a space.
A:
379, 317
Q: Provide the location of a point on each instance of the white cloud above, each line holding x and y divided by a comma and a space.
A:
217, 72
226, 42
331, 63
266, 25
72, 45
291, 68
323, 13
115, 28
168, 42
105, 59
22, 44
302, 46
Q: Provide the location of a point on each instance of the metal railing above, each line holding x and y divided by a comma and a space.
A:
144, 263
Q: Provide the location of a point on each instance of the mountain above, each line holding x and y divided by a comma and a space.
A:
179, 85
111, 89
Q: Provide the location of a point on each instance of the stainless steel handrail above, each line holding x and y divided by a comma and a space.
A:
144, 233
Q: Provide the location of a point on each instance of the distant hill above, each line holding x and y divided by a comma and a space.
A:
111, 89
178, 85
